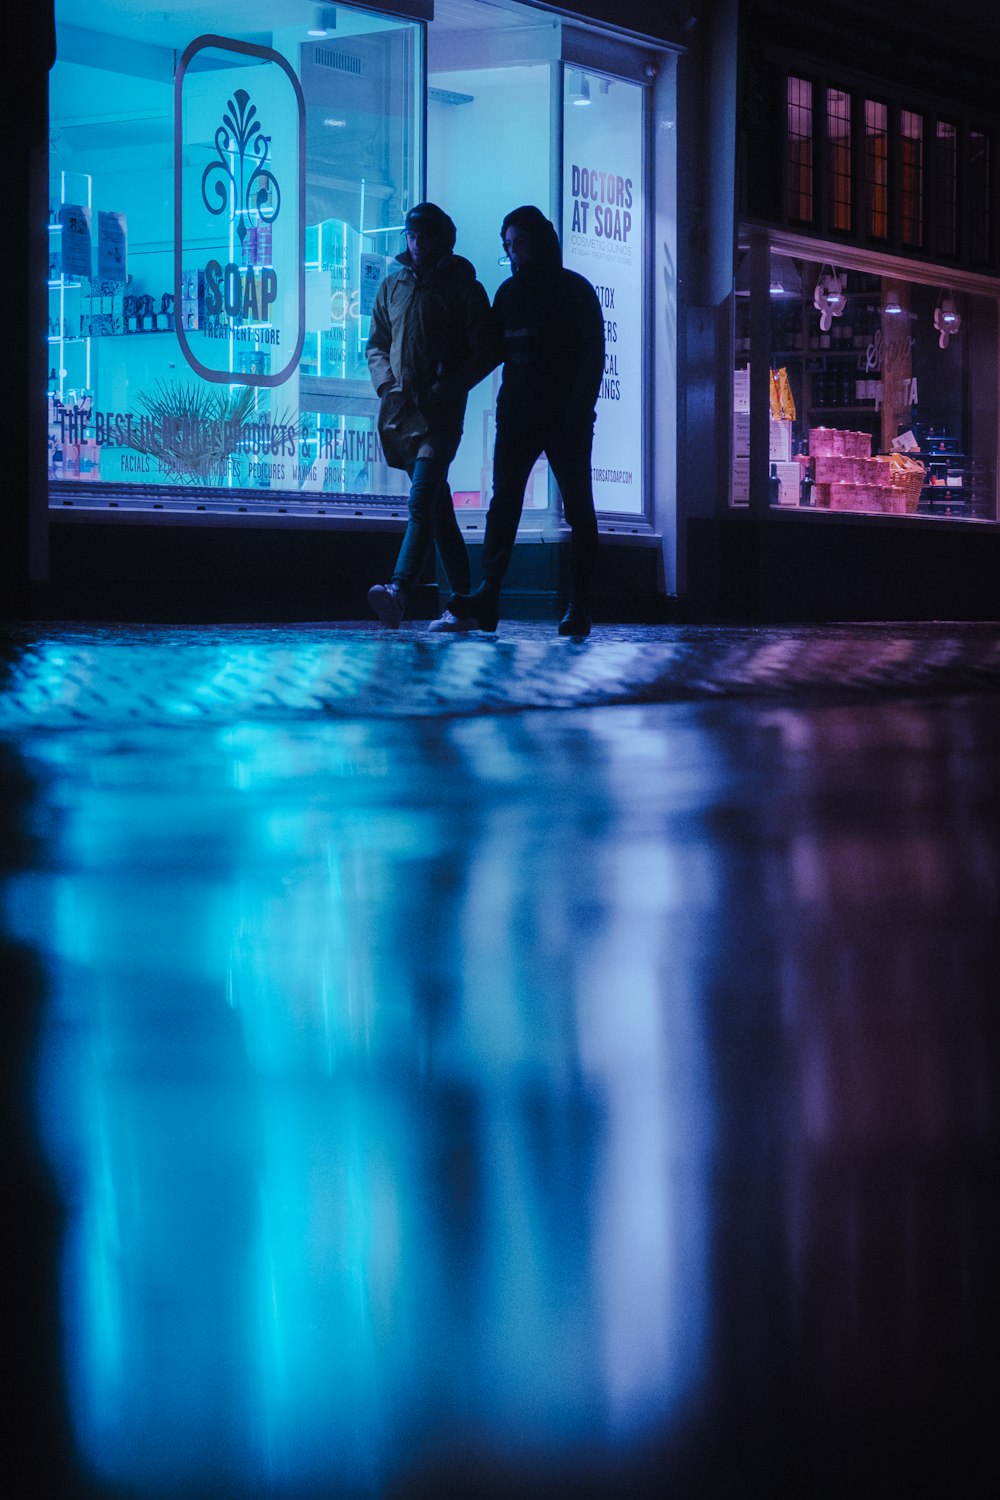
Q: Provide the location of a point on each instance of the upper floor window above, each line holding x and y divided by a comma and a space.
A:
838, 141
800, 205
946, 188
980, 196
874, 171
877, 169
911, 187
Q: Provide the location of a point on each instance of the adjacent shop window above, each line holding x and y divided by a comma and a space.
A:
800, 204
877, 169
980, 197
207, 327
945, 204
911, 200
838, 145
883, 394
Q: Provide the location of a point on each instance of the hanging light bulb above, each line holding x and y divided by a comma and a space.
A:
579, 89
892, 302
947, 318
828, 297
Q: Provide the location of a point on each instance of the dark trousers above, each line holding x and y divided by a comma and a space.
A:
432, 523
568, 450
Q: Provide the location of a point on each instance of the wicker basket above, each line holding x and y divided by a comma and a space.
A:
906, 482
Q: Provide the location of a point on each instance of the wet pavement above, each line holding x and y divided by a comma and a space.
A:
501, 1067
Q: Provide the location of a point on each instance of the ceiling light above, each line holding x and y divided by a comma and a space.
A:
947, 318
321, 21
892, 302
579, 88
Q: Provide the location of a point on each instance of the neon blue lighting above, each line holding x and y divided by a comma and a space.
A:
367, 1118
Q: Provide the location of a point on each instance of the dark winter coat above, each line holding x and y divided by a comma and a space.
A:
425, 330
547, 328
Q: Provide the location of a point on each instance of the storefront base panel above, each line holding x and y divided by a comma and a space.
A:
200, 572
785, 569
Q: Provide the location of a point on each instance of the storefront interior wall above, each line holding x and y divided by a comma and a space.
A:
487, 152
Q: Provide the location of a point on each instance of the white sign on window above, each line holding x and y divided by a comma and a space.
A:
602, 237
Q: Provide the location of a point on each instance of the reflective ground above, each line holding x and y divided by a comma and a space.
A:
596, 1101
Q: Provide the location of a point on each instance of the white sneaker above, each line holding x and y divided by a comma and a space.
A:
388, 601
451, 625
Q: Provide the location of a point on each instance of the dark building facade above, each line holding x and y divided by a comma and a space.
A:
789, 213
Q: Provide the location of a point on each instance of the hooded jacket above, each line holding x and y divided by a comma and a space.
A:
547, 327
425, 331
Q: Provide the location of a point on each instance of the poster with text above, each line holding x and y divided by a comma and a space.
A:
602, 236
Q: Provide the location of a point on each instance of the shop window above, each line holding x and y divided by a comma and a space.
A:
980, 195
945, 204
838, 145
799, 204
603, 237
883, 393
911, 196
877, 169
228, 358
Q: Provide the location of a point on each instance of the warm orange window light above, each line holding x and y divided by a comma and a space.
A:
838, 141
877, 168
799, 201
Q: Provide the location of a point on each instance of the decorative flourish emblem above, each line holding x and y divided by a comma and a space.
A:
243, 176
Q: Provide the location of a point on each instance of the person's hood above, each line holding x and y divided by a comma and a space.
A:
546, 252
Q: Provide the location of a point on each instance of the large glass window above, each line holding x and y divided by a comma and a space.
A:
883, 393
603, 234
207, 327
228, 193
490, 148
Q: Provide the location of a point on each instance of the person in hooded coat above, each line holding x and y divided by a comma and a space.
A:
428, 325
547, 329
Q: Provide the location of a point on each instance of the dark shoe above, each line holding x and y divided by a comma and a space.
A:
575, 621
481, 606
388, 600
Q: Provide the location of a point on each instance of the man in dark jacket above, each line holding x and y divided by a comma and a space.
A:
547, 328
428, 323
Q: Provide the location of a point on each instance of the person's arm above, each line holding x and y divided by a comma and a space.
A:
380, 343
585, 341
485, 332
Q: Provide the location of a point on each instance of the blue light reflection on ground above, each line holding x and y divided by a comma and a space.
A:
375, 1084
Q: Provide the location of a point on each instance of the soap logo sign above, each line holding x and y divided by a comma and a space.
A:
239, 196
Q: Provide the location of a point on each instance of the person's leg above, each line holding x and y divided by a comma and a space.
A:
426, 476
569, 453
514, 457
516, 450
449, 540
389, 600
